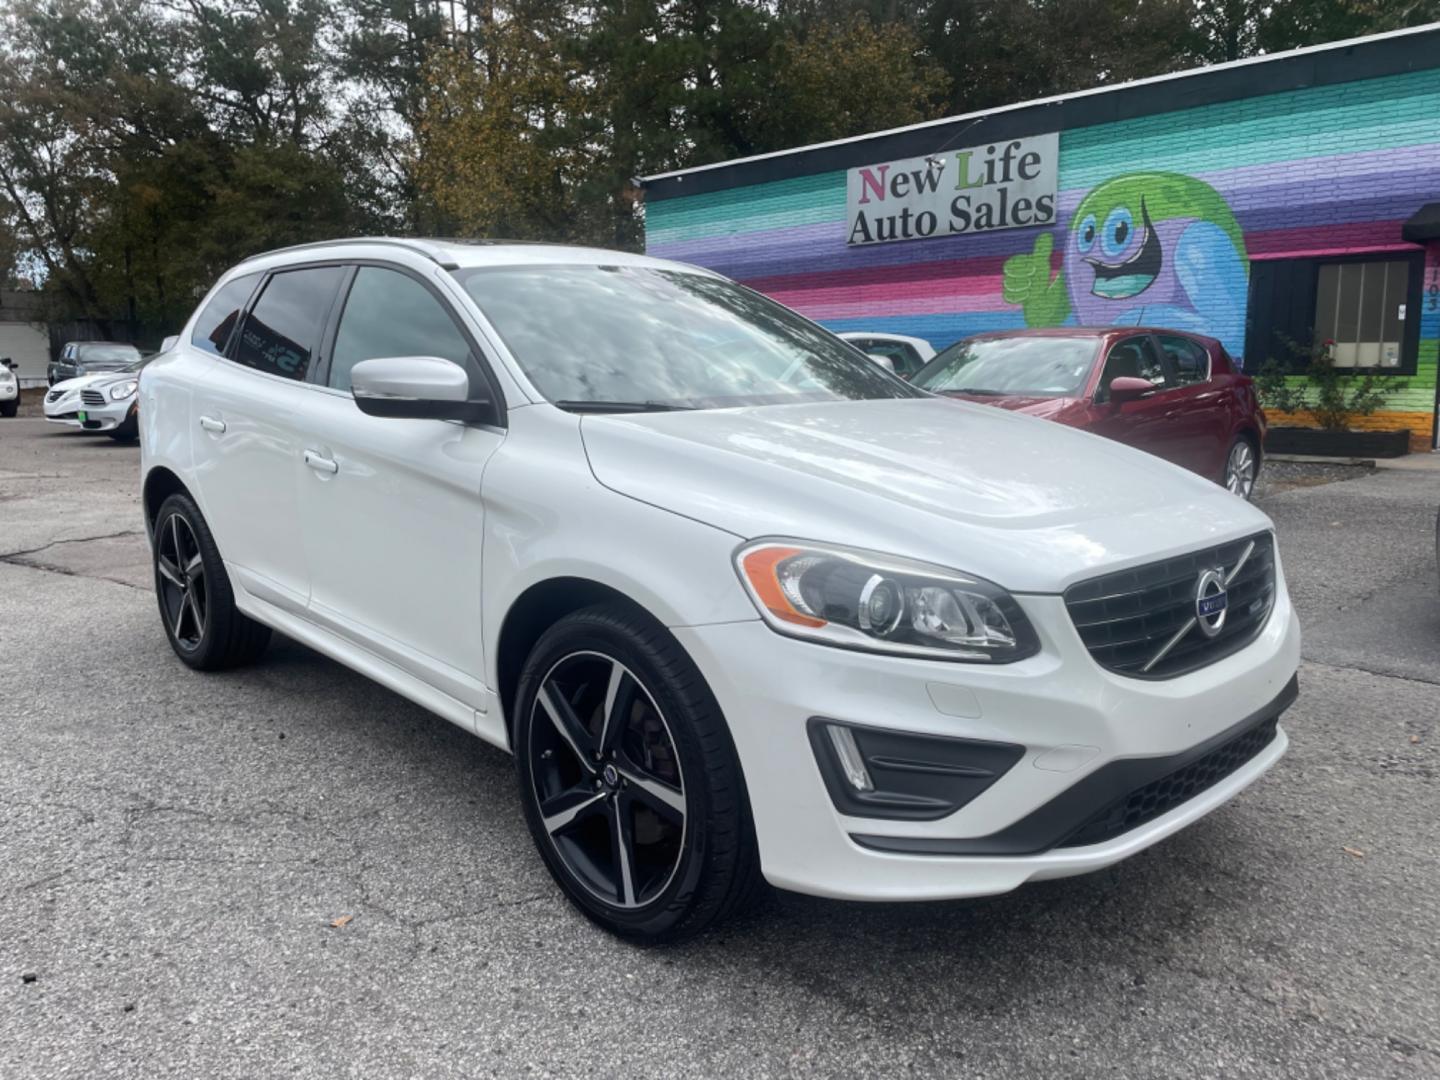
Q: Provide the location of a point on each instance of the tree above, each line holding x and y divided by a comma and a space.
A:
497, 154
846, 78
144, 150
998, 52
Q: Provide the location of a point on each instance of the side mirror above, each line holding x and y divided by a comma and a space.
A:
417, 388
170, 342
884, 361
1128, 388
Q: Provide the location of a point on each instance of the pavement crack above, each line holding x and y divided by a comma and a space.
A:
11, 555
50, 568
1373, 671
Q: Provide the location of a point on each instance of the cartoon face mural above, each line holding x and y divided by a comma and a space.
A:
1154, 249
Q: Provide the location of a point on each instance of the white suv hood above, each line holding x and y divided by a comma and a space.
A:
1032, 505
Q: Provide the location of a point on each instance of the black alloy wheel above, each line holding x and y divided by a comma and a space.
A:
184, 599
607, 779
629, 779
197, 603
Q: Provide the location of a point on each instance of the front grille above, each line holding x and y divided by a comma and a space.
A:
93, 398
1127, 619
1161, 796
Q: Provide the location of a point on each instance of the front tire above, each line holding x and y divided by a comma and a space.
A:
197, 605
628, 778
128, 430
10, 408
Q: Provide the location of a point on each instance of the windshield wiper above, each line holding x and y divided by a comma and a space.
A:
977, 392
620, 406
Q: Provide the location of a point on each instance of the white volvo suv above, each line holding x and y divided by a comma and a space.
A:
739, 602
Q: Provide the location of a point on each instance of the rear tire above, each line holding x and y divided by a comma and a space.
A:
629, 780
1242, 467
197, 605
10, 408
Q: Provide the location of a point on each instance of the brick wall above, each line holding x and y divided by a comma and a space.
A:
1304, 174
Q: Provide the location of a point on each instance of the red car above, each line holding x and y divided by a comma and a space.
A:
1176, 395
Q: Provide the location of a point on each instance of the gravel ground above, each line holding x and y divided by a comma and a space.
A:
1278, 476
178, 849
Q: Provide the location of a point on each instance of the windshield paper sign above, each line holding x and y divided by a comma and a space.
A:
1003, 185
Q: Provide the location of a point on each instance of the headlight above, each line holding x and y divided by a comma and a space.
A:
120, 391
863, 600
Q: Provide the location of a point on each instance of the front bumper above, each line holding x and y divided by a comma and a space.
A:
1072, 719
105, 417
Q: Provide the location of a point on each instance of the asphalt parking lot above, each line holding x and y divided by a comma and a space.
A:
177, 850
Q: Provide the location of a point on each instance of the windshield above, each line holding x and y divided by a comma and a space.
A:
1034, 366
123, 353
657, 338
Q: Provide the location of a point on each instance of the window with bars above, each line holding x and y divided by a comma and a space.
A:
1366, 305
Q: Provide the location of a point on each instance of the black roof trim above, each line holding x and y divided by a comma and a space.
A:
1326, 65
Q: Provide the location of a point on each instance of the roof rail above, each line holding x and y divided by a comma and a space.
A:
420, 247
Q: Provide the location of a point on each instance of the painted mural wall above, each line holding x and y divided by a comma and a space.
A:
1159, 221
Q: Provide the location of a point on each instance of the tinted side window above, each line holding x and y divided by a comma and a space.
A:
1190, 360
217, 321
283, 329
390, 314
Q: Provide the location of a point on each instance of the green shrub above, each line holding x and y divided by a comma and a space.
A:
1332, 396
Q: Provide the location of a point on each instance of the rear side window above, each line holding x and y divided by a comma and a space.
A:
282, 332
1133, 358
1189, 358
217, 322
391, 314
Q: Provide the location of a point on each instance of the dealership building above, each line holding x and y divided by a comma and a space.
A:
1270, 203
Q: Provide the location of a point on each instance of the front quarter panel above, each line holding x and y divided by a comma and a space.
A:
548, 517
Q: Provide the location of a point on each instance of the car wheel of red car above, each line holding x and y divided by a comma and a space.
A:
1242, 467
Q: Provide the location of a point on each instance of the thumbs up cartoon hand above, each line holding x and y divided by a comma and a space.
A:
1026, 274
1027, 282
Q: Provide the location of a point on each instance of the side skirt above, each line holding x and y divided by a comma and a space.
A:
489, 725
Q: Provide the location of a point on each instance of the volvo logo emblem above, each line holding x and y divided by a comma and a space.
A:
1211, 602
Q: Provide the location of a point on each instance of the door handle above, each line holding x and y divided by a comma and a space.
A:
209, 423
320, 463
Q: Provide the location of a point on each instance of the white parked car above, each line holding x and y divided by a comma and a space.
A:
104, 402
9, 389
738, 602
894, 352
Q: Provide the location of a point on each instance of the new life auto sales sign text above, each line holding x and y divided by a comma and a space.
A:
1003, 185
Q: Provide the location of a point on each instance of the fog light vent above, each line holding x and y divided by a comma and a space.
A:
901, 775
